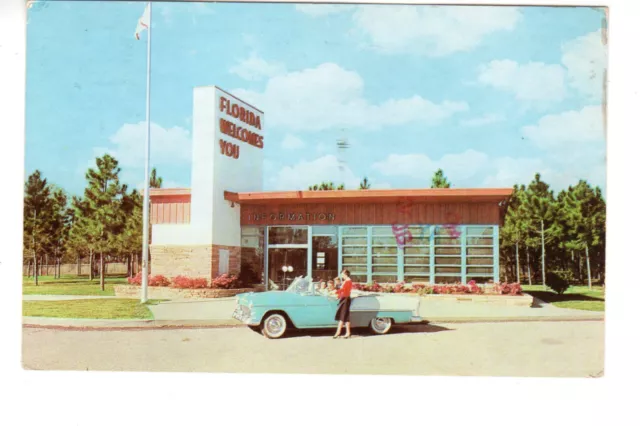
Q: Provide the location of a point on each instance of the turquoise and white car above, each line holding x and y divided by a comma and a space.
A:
303, 306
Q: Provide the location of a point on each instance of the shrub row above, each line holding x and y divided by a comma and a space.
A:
224, 281
422, 289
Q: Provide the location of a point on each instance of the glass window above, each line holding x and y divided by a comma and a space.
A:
447, 279
358, 269
324, 264
384, 268
480, 279
447, 270
382, 230
354, 260
359, 230
387, 260
354, 240
321, 230
410, 250
384, 241
418, 241
391, 250
416, 260
359, 278
477, 270
408, 270
449, 260
354, 250
416, 279
475, 241
476, 231
479, 260
385, 278
484, 251
252, 254
288, 235
448, 250
446, 241
447, 230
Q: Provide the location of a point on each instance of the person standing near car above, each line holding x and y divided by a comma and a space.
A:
344, 305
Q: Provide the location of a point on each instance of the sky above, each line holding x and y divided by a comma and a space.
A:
491, 95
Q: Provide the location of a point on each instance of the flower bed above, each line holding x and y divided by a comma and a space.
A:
181, 287
224, 281
511, 289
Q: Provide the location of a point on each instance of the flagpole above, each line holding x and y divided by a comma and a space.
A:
147, 149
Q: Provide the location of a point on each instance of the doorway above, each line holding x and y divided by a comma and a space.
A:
294, 259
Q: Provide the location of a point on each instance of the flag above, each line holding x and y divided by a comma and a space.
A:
143, 22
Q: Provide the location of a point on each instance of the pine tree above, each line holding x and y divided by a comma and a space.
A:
584, 212
154, 180
104, 208
365, 183
326, 186
541, 206
60, 226
131, 237
516, 225
439, 180
38, 212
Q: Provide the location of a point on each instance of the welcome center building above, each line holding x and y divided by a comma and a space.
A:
226, 223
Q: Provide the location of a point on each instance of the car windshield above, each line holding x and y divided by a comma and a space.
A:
300, 285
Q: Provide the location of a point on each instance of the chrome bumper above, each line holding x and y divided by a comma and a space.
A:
415, 319
243, 314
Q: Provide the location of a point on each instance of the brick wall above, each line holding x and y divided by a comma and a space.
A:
191, 261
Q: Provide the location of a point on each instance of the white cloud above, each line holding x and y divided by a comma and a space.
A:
292, 142
534, 81
569, 131
255, 68
457, 167
305, 173
168, 146
431, 30
329, 96
586, 59
483, 120
507, 171
317, 10
556, 171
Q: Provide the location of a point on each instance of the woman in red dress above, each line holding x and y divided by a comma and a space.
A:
344, 304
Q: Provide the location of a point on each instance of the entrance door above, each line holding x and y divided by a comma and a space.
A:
293, 258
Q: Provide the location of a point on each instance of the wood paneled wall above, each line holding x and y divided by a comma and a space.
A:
371, 214
171, 209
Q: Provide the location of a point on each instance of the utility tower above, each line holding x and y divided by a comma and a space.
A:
342, 144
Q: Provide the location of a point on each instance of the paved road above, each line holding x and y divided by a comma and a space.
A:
566, 349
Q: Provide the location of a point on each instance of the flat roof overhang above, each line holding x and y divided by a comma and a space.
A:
436, 195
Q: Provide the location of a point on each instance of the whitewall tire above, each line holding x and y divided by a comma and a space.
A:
274, 326
380, 325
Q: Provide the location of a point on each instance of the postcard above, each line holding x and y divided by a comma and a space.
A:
315, 188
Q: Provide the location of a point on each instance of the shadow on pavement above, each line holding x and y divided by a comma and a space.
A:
362, 332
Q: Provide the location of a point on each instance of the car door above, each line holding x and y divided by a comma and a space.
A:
318, 311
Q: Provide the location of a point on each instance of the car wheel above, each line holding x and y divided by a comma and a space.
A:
274, 326
380, 325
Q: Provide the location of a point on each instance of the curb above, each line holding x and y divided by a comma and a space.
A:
508, 319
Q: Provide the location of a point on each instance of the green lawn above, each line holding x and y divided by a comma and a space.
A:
576, 297
88, 308
70, 285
